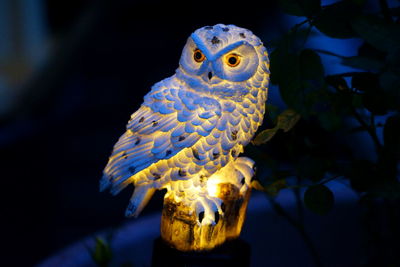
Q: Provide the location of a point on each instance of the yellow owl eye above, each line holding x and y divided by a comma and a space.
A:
232, 60
198, 56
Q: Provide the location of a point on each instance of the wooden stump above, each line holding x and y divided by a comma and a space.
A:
180, 229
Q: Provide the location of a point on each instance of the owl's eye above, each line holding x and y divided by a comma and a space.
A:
198, 56
232, 60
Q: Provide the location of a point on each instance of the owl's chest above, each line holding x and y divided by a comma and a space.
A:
239, 121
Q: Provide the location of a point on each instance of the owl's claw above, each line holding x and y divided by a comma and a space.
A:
208, 210
245, 167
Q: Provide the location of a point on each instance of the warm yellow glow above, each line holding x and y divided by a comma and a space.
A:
181, 230
212, 186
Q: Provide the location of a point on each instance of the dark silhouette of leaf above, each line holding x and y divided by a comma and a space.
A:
389, 81
300, 8
367, 50
299, 76
364, 63
330, 121
363, 81
337, 82
377, 32
272, 112
373, 98
363, 175
391, 135
334, 20
282, 64
310, 65
312, 168
319, 199
285, 72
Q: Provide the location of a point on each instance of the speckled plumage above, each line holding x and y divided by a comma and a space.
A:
192, 126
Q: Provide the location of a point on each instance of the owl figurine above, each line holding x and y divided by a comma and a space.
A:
188, 134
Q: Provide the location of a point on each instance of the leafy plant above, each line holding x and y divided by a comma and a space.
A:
305, 143
102, 253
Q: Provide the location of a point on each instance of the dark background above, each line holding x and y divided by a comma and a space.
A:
56, 138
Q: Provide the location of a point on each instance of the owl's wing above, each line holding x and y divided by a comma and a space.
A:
168, 121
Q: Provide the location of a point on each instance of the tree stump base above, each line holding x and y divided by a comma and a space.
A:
181, 230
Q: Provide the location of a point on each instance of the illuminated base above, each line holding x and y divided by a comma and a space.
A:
181, 230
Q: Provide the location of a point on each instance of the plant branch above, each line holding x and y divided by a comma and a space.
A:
329, 179
328, 53
300, 228
298, 25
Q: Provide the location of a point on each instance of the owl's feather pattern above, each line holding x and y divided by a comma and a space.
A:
157, 132
185, 131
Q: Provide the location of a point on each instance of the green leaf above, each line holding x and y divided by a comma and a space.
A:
300, 8
271, 189
377, 32
256, 185
265, 136
102, 253
274, 188
319, 199
363, 63
334, 20
288, 119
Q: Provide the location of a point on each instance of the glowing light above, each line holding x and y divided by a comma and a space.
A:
213, 185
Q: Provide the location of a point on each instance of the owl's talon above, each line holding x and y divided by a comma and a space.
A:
245, 167
208, 210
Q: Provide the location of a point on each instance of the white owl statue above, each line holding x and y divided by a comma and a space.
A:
188, 134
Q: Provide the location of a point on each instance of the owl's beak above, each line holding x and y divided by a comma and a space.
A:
210, 75
210, 78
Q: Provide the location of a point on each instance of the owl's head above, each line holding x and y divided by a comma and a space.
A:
223, 58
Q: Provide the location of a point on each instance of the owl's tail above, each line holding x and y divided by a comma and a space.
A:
139, 200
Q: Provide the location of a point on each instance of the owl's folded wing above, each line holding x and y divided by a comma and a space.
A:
168, 121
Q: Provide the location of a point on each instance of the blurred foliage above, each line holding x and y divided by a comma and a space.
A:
325, 111
101, 254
